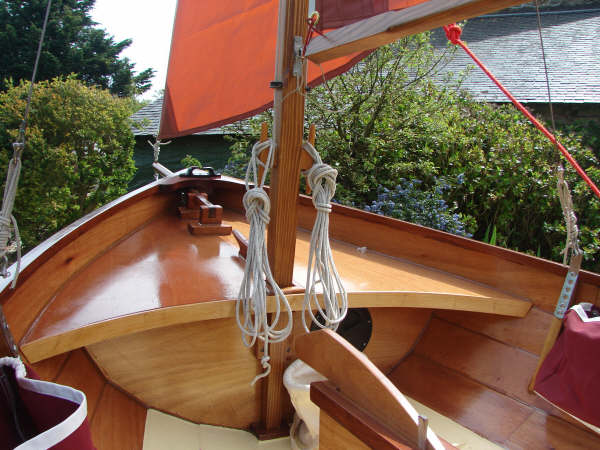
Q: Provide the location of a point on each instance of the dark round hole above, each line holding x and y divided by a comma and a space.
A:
356, 327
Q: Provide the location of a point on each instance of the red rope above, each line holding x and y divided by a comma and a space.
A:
312, 28
453, 33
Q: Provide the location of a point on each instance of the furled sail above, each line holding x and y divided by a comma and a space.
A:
223, 58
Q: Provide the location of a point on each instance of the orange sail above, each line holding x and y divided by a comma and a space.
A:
223, 59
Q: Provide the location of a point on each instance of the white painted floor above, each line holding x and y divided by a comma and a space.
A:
164, 432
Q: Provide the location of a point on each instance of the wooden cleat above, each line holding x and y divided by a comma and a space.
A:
209, 229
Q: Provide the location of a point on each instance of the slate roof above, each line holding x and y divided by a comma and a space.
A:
508, 43
147, 120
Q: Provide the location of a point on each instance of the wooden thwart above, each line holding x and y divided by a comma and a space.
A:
356, 378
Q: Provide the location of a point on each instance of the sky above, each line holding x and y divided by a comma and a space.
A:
149, 24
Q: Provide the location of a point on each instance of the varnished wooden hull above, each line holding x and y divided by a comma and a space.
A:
138, 317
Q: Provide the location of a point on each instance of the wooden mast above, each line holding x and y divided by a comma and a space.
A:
289, 119
288, 131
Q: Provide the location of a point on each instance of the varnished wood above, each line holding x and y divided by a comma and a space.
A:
306, 160
512, 272
344, 425
527, 333
79, 372
395, 333
119, 422
264, 135
285, 177
359, 380
49, 368
242, 243
541, 431
463, 400
553, 331
170, 278
499, 366
273, 393
391, 26
488, 412
28, 300
333, 436
199, 371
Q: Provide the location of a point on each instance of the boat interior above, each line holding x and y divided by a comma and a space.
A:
138, 302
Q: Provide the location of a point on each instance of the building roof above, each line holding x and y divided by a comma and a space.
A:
508, 43
146, 120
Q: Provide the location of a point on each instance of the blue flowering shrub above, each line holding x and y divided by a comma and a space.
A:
407, 201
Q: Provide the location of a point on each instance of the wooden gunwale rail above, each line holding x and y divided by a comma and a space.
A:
497, 300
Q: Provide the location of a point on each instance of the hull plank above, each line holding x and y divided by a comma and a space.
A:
395, 333
469, 403
80, 373
527, 333
119, 422
480, 359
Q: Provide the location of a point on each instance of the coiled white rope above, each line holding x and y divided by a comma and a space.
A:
566, 203
251, 306
333, 305
6, 216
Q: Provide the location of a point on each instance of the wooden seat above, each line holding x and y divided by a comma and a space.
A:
359, 396
161, 276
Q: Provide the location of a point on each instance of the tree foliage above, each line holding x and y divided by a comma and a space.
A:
72, 45
391, 118
78, 153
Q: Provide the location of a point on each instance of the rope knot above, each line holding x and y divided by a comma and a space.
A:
453, 33
257, 204
321, 179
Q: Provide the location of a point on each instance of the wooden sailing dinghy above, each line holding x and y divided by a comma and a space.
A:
135, 305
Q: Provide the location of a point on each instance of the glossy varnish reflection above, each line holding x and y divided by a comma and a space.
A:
161, 275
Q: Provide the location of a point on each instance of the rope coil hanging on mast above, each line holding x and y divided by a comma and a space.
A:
251, 306
321, 268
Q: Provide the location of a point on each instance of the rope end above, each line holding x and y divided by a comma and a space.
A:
453, 33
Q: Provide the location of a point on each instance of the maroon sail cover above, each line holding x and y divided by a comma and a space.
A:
37, 414
570, 375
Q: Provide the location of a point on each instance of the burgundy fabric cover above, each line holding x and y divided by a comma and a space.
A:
337, 13
42, 412
570, 374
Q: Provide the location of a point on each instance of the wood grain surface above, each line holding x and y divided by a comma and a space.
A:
200, 371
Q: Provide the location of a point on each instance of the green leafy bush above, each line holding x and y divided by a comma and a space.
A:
78, 153
390, 118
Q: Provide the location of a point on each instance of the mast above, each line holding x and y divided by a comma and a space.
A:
288, 130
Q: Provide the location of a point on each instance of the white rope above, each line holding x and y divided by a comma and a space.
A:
321, 268
156, 150
6, 217
251, 306
566, 202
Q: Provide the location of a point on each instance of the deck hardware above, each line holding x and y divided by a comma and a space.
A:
568, 289
200, 172
423, 426
207, 217
276, 84
298, 58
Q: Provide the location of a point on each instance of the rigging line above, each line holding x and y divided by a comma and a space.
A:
539, 24
23, 126
453, 33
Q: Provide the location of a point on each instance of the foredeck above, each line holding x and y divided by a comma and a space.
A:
161, 275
